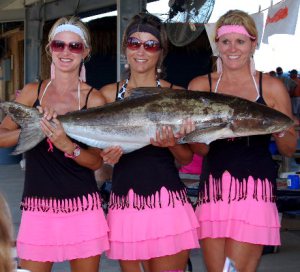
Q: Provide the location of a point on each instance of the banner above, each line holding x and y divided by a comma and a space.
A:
259, 22
210, 30
281, 19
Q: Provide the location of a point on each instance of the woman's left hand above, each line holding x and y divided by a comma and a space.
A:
54, 130
112, 154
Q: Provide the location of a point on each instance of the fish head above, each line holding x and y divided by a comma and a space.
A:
258, 119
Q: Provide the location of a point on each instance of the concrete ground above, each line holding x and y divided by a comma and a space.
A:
286, 259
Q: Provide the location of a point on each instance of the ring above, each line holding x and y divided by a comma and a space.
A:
50, 135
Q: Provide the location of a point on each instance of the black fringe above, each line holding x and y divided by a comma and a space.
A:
141, 202
61, 205
238, 191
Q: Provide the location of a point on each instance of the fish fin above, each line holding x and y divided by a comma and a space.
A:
205, 135
143, 91
28, 119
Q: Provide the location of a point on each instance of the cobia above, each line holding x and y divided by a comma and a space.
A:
132, 122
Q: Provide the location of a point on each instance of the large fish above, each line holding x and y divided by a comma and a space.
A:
132, 122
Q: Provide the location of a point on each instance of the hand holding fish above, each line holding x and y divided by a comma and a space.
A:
187, 127
165, 136
112, 154
53, 129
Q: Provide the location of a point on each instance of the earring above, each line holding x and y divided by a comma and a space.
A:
252, 66
52, 71
219, 65
82, 75
158, 70
126, 66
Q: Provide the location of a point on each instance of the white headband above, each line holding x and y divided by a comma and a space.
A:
71, 28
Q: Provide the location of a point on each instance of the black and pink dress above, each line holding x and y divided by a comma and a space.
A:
149, 212
237, 190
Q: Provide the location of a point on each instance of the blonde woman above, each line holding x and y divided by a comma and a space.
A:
237, 210
62, 217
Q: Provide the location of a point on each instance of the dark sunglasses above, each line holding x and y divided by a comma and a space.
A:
74, 47
150, 45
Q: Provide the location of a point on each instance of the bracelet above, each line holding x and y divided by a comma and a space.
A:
75, 153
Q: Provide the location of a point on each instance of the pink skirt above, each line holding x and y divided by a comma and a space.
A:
151, 232
57, 237
247, 220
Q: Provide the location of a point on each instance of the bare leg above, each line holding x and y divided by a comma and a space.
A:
246, 256
146, 266
213, 253
90, 264
130, 266
36, 266
172, 262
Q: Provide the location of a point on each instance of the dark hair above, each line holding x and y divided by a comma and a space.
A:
293, 72
279, 70
145, 18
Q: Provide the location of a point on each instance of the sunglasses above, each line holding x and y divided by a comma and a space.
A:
74, 47
150, 45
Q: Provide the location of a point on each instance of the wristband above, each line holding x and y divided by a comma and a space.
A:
75, 153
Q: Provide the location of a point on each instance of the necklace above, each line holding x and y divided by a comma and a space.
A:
78, 93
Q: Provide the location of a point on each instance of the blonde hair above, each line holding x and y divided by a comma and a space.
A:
6, 233
237, 17
72, 21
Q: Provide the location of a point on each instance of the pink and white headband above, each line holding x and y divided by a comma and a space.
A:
226, 29
71, 28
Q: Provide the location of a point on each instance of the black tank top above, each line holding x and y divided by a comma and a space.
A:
50, 176
241, 157
146, 171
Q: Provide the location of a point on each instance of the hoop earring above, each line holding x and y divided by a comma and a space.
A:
82, 75
52, 71
219, 65
252, 66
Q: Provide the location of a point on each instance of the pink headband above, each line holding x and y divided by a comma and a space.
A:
225, 29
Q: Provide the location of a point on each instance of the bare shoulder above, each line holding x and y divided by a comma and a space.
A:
95, 99
276, 94
109, 92
199, 83
28, 94
273, 86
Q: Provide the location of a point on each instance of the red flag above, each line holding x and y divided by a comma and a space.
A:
281, 19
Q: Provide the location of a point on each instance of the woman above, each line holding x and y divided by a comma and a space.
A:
62, 218
149, 217
237, 210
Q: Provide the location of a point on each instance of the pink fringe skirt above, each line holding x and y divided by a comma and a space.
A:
57, 237
142, 234
246, 219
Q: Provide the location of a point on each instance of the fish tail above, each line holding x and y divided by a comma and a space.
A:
28, 119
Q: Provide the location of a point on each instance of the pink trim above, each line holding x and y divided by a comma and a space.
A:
225, 29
